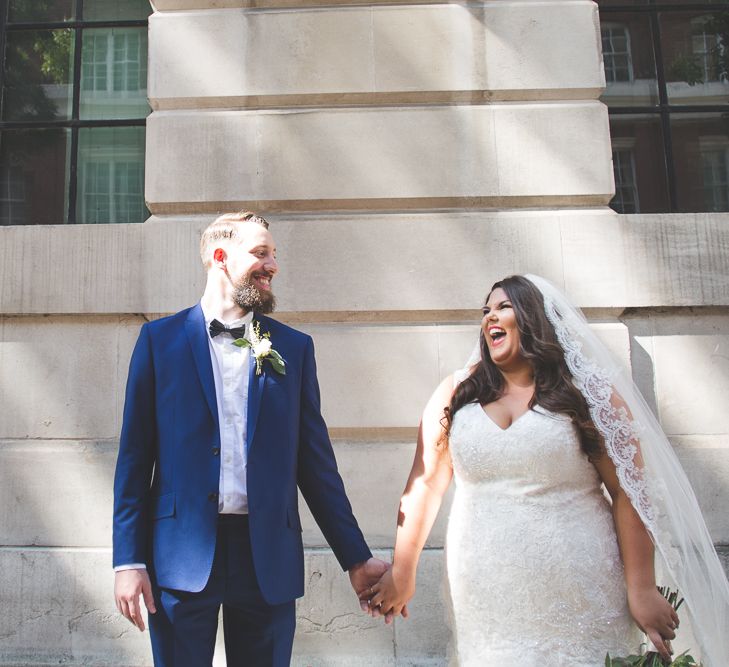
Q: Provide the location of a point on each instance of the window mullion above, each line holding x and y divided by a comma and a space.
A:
3, 22
664, 111
72, 176
112, 189
110, 46
75, 116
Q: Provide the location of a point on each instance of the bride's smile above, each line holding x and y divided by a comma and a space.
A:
500, 329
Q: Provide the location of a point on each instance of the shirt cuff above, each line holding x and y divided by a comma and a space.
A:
130, 566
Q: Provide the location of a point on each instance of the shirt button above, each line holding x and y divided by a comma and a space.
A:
212, 496
216, 451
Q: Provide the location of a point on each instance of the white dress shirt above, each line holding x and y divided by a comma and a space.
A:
230, 373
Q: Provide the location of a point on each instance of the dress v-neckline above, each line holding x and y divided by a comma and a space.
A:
516, 421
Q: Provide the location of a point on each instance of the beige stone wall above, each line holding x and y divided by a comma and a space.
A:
433, 264
62, 379
407, 157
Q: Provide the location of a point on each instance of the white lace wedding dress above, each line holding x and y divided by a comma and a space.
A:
533, 568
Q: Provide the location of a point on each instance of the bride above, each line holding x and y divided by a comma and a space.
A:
542, 568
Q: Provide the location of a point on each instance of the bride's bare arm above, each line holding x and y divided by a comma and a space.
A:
651, 611
428, 481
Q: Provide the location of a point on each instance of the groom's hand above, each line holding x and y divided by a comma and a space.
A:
363, 576
128, 586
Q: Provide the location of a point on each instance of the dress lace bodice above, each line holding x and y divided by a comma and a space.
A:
534, 571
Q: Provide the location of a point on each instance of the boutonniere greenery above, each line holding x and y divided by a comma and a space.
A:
651, 658
262, 349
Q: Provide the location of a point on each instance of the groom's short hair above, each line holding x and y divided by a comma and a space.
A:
225, 228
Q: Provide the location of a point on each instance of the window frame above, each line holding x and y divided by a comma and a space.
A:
74, 123
663, 109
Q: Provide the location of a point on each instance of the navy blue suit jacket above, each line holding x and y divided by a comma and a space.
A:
167, 472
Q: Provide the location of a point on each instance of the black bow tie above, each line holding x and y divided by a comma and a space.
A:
216, 328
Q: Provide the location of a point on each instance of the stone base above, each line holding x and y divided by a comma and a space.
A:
59, 609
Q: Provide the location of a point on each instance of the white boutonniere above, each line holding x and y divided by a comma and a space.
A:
262, 349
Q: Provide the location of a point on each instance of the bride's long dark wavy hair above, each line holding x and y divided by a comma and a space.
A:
553, 387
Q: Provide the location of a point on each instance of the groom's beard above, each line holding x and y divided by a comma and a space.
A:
248, 297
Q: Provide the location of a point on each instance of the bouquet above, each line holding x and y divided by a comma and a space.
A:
651, 658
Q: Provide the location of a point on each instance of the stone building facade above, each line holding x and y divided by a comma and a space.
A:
407, 156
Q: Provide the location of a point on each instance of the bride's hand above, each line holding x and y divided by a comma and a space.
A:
656, 617
390, 595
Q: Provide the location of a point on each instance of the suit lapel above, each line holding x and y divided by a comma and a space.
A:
256, 384
198, 337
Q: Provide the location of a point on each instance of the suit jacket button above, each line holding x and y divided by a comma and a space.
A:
216, 451
212, 496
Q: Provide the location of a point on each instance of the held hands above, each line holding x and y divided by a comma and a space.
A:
391, 594
128, 586
364, 577
656, 617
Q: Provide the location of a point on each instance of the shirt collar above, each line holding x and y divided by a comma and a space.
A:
246, 319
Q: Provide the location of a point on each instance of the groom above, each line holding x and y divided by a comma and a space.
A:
217, 436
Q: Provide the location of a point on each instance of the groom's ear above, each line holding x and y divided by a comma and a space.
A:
219, 255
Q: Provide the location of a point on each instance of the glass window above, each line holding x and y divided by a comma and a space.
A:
626, 187
13, 196
621, 3
616, 53
40, 11
111, 175
638, 164
695, 57
666, 156
34, 169
701, 147
114, 73
716, 182
627, 53
38, 75
113, 10
72, 124
688, 3
708, 50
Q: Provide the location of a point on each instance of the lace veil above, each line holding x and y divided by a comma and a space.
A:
649, 473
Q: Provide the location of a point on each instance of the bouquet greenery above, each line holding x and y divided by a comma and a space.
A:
651, 658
